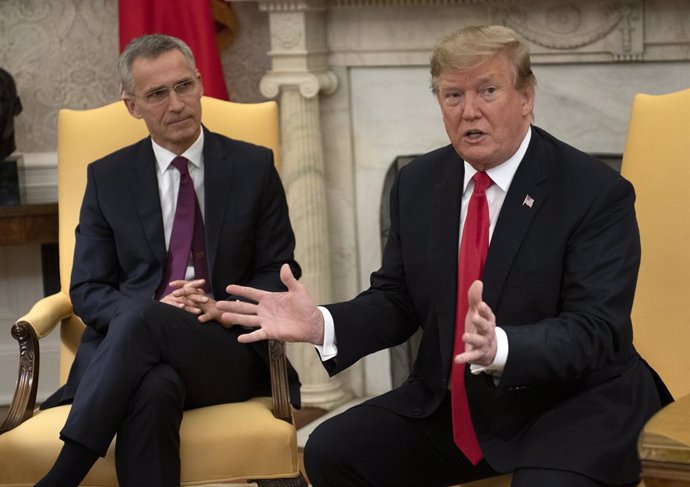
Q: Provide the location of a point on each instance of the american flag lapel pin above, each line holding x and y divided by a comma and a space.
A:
529, 201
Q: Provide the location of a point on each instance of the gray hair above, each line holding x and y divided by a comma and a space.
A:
471, 46
148, 46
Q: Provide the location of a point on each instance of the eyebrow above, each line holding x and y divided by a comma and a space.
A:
165, 87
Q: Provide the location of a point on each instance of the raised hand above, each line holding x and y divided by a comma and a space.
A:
480, 330
288, 316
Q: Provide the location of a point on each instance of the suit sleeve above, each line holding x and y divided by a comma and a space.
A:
95, 271
592, 330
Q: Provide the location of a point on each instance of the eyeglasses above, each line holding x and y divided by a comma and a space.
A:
161, 95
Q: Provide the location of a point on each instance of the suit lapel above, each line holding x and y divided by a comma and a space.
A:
514, 220
144, 185
443, 248
217, 175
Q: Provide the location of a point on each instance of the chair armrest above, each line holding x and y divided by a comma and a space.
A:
664, 445
279, 381
37, 323
45, 315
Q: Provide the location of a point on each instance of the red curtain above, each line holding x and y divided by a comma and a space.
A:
190, 20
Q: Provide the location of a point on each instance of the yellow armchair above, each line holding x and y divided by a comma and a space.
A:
251, 441
656, 160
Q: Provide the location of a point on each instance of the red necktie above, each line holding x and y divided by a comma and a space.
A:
473, 249
187, 234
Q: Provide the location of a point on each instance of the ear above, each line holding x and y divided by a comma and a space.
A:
131, 107
201, 84
528, 95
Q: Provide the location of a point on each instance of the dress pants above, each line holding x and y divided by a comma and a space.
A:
155, 361
370, 446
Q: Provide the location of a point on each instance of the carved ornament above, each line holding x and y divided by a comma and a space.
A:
571, 26
309, 84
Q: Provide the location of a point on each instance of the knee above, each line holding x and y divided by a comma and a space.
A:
326, 454
161, 391
137, 315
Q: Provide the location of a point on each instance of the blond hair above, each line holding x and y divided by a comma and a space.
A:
471, 46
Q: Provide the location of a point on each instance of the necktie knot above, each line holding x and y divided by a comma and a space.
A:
481, 182
180, 164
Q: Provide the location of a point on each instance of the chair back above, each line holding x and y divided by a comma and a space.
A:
87, 135
656, 160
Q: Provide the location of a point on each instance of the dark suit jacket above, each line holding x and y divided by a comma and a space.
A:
560, 276
120, 246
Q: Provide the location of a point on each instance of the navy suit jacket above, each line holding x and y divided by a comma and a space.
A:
560, 276
120, 248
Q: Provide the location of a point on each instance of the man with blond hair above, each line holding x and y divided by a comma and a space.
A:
518, 256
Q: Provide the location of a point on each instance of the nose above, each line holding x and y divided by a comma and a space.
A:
470, 110
175, 102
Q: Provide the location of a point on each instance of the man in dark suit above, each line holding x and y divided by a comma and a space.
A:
145, 356
554, 389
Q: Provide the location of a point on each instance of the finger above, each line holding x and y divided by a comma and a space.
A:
484, 311
240, 319
205, 317
255, 336
237, 307
172, 301
469, 357
197, 298
178, 283
473, 341
197, 283
246, 292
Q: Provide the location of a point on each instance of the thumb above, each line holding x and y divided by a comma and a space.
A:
288, 278
474, 294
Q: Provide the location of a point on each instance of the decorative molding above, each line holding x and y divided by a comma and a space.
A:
614, 26
291, 5
309, 84
287, 34
411, 3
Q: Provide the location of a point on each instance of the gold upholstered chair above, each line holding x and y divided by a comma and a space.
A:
254, 440
656, 160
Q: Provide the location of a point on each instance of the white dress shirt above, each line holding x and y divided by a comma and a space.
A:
169, 184
502, 176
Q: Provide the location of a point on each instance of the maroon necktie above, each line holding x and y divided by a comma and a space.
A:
187, 235
473, 249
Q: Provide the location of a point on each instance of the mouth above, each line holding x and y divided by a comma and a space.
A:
177, 121
473, 134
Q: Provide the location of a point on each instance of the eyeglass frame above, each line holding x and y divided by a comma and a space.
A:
164, 92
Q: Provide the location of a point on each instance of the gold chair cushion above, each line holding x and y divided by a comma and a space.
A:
230, 442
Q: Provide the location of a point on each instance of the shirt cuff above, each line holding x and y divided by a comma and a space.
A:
496, 367
329, 349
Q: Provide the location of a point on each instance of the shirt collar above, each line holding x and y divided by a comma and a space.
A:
502, 175
194, 154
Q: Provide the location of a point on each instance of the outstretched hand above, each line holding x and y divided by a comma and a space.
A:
289, 316
480, 330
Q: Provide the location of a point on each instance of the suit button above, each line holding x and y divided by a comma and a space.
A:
417, 412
